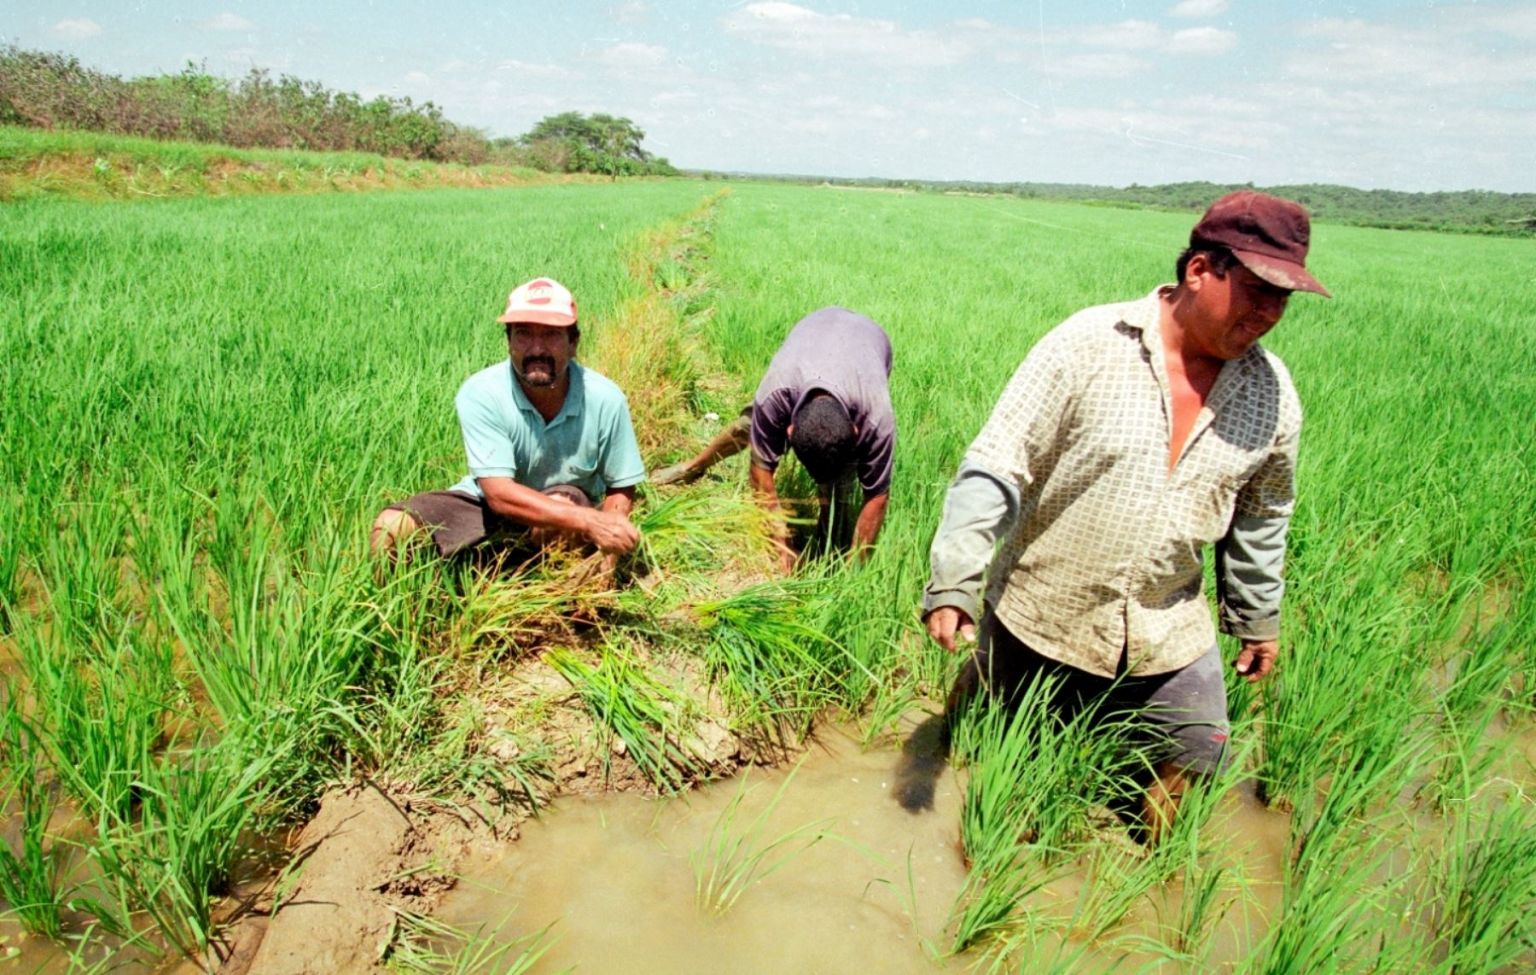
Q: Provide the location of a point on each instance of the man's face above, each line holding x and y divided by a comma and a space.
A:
1236, 310
540, 353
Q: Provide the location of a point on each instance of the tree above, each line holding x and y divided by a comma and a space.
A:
597, 143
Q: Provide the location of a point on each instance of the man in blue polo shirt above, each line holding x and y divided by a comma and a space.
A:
551, 450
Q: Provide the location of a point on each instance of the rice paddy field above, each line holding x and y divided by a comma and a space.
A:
204, 402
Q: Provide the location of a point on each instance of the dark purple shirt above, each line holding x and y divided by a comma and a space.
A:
848, 356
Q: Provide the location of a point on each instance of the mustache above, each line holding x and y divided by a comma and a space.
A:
548, 362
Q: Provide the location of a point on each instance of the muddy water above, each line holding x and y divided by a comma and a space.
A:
612, 878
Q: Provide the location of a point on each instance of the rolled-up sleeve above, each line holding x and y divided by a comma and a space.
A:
1250, 559
979, 508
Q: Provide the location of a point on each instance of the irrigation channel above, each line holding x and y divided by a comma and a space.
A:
866, 884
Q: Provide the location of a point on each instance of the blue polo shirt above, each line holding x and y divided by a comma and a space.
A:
590, 443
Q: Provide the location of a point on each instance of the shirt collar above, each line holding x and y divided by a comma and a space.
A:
574, 396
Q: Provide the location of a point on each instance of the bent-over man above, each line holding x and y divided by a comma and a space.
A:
826, 396
551, 450
1133, 436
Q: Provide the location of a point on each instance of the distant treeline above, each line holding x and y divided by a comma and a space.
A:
54, 91
1463, 211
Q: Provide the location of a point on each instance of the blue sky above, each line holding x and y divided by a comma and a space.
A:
1404, 95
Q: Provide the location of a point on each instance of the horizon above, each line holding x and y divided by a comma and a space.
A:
1368, 95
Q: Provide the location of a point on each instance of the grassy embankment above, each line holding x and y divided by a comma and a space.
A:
96, 166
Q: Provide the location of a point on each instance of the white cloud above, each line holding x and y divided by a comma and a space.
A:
1198, 8
226, 21
1449, 56
1202, 40
77, 29
795, 28
529, 70
1143, 35
1094, 66
417, 78
1127, 35
629, 12
632, 54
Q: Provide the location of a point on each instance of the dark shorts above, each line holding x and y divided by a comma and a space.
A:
1181, 715
459, 522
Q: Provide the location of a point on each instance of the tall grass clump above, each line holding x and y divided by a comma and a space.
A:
1184, 851
176, 857
650, 718
769, 653
1033, 781
100, 719
1483, 884
30, 876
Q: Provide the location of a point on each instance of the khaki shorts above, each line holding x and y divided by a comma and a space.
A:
459, 522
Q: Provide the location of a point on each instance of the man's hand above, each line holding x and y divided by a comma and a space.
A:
1257, 658
611, 532
945, 622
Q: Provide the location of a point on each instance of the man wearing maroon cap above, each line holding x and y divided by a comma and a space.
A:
550, 446
1132, 436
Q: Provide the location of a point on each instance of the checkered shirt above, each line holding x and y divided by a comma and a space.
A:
1105, 554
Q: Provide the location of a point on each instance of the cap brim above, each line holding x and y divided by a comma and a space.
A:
532, 317
1281, 274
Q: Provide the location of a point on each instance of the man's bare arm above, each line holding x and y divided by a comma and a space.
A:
608, 530
768, 496
867, 528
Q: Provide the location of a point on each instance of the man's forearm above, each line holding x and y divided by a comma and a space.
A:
619, 501
979, 508
763, 489
867, 528
522, 504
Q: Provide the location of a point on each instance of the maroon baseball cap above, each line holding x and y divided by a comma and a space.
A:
1268, 234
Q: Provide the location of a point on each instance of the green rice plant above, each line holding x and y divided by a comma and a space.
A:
174, 860
1037, 942
733, 857
102, 719
649, 717
1468, 710
1382, 760
1033, 781
895, 695
700, 531
770, 656
1342, 898
81, 570
423, 945
1483, 888
30, 881
1341, 908
12, 533
1182, 850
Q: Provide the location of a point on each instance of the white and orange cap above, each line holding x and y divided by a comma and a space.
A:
542, 301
